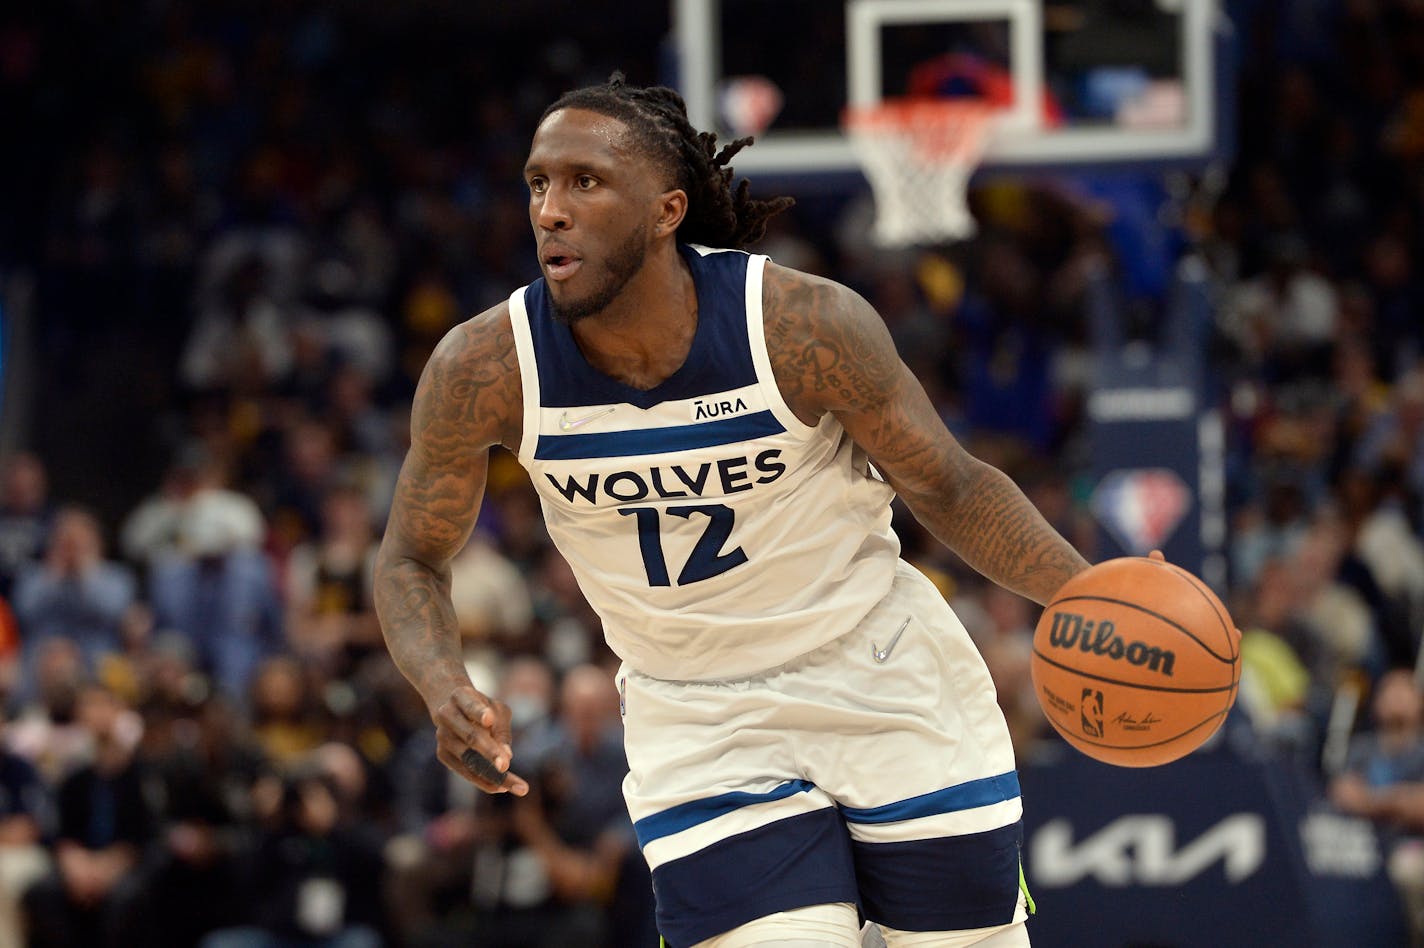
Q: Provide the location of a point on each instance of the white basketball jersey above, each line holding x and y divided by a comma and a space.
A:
713, 532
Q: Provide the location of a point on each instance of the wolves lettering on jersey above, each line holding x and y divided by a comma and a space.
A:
674, 481
714, 532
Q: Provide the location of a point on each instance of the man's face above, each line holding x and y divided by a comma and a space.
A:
591, 202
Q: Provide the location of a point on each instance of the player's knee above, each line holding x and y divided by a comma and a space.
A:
1005, 936
834, 925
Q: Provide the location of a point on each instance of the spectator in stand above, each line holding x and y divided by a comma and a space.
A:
93, 899
572, 632
1384, 561
219, 593
46, 731
311, 465
242, 335
527, 687
206, 768
26, 820
313, 880
1383, 780
286, 720
354, 335
24, 516
1331, 613
74, 593
351, 409
153, 530
491, 597
1391, 268
432, 858
575, 822
331, 616
443, 819
1284, 319
1270, 528
1396, 440
1361, 399
517, 523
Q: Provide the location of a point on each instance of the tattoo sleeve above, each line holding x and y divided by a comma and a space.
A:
831, 352
467, 400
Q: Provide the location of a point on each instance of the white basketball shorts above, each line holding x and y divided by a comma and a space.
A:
875, 770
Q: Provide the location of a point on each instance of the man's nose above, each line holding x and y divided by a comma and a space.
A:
554, 212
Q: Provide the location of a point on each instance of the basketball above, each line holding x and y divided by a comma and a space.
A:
1136, 662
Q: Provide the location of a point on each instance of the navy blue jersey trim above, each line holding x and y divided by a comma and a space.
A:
720, 357
641, 441
687, 815
799, 861
963, 796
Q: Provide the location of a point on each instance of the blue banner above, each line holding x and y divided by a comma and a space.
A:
1220, 849
1154, 437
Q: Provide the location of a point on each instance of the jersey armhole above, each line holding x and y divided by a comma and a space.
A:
528, 374
761, 358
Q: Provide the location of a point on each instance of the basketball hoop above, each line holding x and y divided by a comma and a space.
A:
919, 155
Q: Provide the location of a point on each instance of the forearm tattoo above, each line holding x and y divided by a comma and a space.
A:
468, 399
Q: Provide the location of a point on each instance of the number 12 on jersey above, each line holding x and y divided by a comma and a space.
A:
706, 559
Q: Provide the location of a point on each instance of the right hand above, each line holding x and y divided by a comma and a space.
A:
468, 720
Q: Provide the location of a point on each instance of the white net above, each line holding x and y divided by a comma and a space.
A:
919, 156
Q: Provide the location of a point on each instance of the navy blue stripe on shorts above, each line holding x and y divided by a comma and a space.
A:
799, 861
944, 883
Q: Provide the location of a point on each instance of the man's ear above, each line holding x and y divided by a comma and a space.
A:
672, 208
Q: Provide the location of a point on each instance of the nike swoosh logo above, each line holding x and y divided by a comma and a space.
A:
569, 424
881, 654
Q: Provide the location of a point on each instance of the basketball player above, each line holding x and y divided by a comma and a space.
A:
716, 440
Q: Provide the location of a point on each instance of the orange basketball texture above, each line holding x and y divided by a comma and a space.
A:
1136, 662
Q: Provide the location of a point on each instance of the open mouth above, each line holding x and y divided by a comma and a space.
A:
561, 266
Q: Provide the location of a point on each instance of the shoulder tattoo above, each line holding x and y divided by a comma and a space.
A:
469, 396
829, 349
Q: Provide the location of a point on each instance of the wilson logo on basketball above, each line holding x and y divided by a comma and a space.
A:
1071, 631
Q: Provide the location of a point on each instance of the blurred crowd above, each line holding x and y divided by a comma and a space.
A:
245, 226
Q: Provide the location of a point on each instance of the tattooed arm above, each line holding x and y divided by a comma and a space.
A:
468, 399
831, 352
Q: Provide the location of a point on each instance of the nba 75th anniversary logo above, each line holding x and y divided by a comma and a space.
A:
1090, 712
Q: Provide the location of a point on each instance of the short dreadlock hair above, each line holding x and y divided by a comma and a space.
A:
656, 116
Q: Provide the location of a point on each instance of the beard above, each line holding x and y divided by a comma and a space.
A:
621, 266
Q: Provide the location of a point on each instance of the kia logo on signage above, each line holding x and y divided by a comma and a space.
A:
1143, 850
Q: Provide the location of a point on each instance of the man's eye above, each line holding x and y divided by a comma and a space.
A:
538, 185
586, 181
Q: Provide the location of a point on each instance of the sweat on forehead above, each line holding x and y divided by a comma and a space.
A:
635, 129
609, 129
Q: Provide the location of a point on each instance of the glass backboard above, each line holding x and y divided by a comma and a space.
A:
1080, 81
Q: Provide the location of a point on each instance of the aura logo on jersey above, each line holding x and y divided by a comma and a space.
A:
724, 476
706, 410
1070, 631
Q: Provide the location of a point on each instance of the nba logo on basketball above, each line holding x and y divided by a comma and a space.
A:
1141, 508
1090, 710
